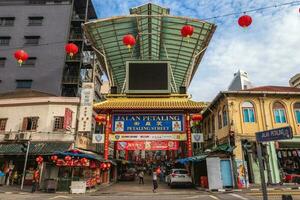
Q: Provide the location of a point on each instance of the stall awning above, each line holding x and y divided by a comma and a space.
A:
171, 103
224, 148
36, 148
192, 159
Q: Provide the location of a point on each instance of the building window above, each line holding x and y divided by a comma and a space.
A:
23, 84
58, 123
225, 116
248, 112
4, 40
3, 124
37, 1
30, 62
297, 112
30, 123
2, 61
35, 21
279, 113
7, 21
220, 120
32, 40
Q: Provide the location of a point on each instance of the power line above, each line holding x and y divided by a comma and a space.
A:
293, 3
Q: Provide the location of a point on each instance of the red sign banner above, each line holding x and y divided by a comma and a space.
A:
68, 119
148, 145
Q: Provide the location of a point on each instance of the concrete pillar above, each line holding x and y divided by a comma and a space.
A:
274, 168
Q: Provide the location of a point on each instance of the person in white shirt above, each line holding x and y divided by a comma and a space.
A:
154, 180
141, 177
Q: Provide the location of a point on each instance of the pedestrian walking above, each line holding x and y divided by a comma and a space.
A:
35, 180
154, 180
141, 177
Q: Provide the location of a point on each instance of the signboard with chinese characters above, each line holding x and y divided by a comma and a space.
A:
145, 136
283, 133
68, 119
148, 145
86, 108
147, 123
197, 137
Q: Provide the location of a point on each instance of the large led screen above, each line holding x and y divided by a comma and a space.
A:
147, 77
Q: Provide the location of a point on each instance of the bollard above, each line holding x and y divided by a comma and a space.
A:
287, 197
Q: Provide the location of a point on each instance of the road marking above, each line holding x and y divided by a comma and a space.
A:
193, 197
64, 197
214, 197
238, 196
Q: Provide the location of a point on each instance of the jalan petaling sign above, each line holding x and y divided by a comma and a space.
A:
163, 123
275, 134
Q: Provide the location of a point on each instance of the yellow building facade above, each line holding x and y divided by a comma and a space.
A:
234, 117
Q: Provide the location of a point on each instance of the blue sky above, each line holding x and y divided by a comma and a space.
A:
268, 50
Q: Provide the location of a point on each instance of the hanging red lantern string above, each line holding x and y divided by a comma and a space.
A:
108, 165
39, 160
21, 56
71, 49
129, 41
54, 158
100, 119
68, 158
245, 21
187, 31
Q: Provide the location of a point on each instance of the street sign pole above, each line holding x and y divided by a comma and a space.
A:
25, 164
262, 173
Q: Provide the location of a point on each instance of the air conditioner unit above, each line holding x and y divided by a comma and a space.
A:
24, 136
10, 136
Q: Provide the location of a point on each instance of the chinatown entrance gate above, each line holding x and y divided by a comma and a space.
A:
149, 124
150, 58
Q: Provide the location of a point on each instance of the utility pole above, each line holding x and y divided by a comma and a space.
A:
25, 164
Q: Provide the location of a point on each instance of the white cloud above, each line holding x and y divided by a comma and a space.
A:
268, 51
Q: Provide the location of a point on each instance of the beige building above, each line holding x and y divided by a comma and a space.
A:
234, 117
295, 81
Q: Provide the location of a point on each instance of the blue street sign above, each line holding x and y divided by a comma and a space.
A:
275, 134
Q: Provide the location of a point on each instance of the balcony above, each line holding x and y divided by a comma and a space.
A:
76, 58
70, 79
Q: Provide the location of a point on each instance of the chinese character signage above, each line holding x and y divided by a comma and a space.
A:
148, 145
163, 123
68, 119
145, 136
275, 134
86, 107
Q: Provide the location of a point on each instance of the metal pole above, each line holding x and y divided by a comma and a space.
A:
25, 164
262, 173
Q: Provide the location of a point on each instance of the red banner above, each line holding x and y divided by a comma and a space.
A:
148, 145
68, 119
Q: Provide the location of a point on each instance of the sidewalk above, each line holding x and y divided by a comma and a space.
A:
256, 188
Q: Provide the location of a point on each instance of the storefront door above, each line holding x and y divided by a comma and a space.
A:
226, 173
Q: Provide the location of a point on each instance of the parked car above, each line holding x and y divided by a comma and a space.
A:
128, 175
179, 177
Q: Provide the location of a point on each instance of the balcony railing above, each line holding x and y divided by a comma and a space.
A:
70, 79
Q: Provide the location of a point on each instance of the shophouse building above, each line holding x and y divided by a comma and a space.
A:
233, 118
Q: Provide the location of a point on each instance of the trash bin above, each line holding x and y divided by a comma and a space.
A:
2, 178
51, 185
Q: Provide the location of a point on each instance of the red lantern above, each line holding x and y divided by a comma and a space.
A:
129, 41
100, 119
245, 21
39, 159
71, 49
187, 31
83, 161
93, 165
60, 162
21, 56
68, 158
108, 165
197, 117
54, 158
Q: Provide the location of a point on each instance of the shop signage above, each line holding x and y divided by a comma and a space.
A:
83, 142
86, 107
163, 123
68, 119
275, 134
98, 139
148, 145
197, 137
143, 137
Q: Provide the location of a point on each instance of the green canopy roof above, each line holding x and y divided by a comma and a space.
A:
158, 37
